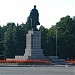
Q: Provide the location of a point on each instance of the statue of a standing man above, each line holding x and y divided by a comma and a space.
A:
34, 17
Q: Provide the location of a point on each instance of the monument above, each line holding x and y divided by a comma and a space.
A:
34, 17
33, 49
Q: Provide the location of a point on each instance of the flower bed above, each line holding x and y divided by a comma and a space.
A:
26, 61
71, 61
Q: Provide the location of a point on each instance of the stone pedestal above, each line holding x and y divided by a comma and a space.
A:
33, 49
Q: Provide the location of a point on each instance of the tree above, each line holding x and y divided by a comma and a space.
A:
13, 38
21, 38
52, 41
73, 36
10, 40
44, 43
65, 36
1, 41
28, 24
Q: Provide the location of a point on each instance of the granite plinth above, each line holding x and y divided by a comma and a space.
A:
33, 49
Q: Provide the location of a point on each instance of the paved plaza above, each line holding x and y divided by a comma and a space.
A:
44, 70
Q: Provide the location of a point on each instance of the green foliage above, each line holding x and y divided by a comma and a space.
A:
1, 41
28, 23
13, 38
52, 41
21, 38
10, 40
44, 42
65, 37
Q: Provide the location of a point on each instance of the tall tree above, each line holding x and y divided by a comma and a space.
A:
73, 36
44, 42
65, 36
10, 40
21, 38
28, 23
1, 41
52, 41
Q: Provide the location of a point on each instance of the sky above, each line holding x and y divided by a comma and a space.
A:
50, 11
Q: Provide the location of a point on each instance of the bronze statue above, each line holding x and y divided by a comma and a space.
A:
34, 17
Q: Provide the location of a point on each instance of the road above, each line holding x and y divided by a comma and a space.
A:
44, 70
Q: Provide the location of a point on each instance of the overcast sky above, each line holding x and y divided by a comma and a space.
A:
50, 11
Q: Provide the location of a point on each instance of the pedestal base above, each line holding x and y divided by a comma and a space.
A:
32, 54
33, 49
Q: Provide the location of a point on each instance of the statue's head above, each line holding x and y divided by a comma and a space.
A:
34, 6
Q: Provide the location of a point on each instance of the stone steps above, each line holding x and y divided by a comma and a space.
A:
56, 60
